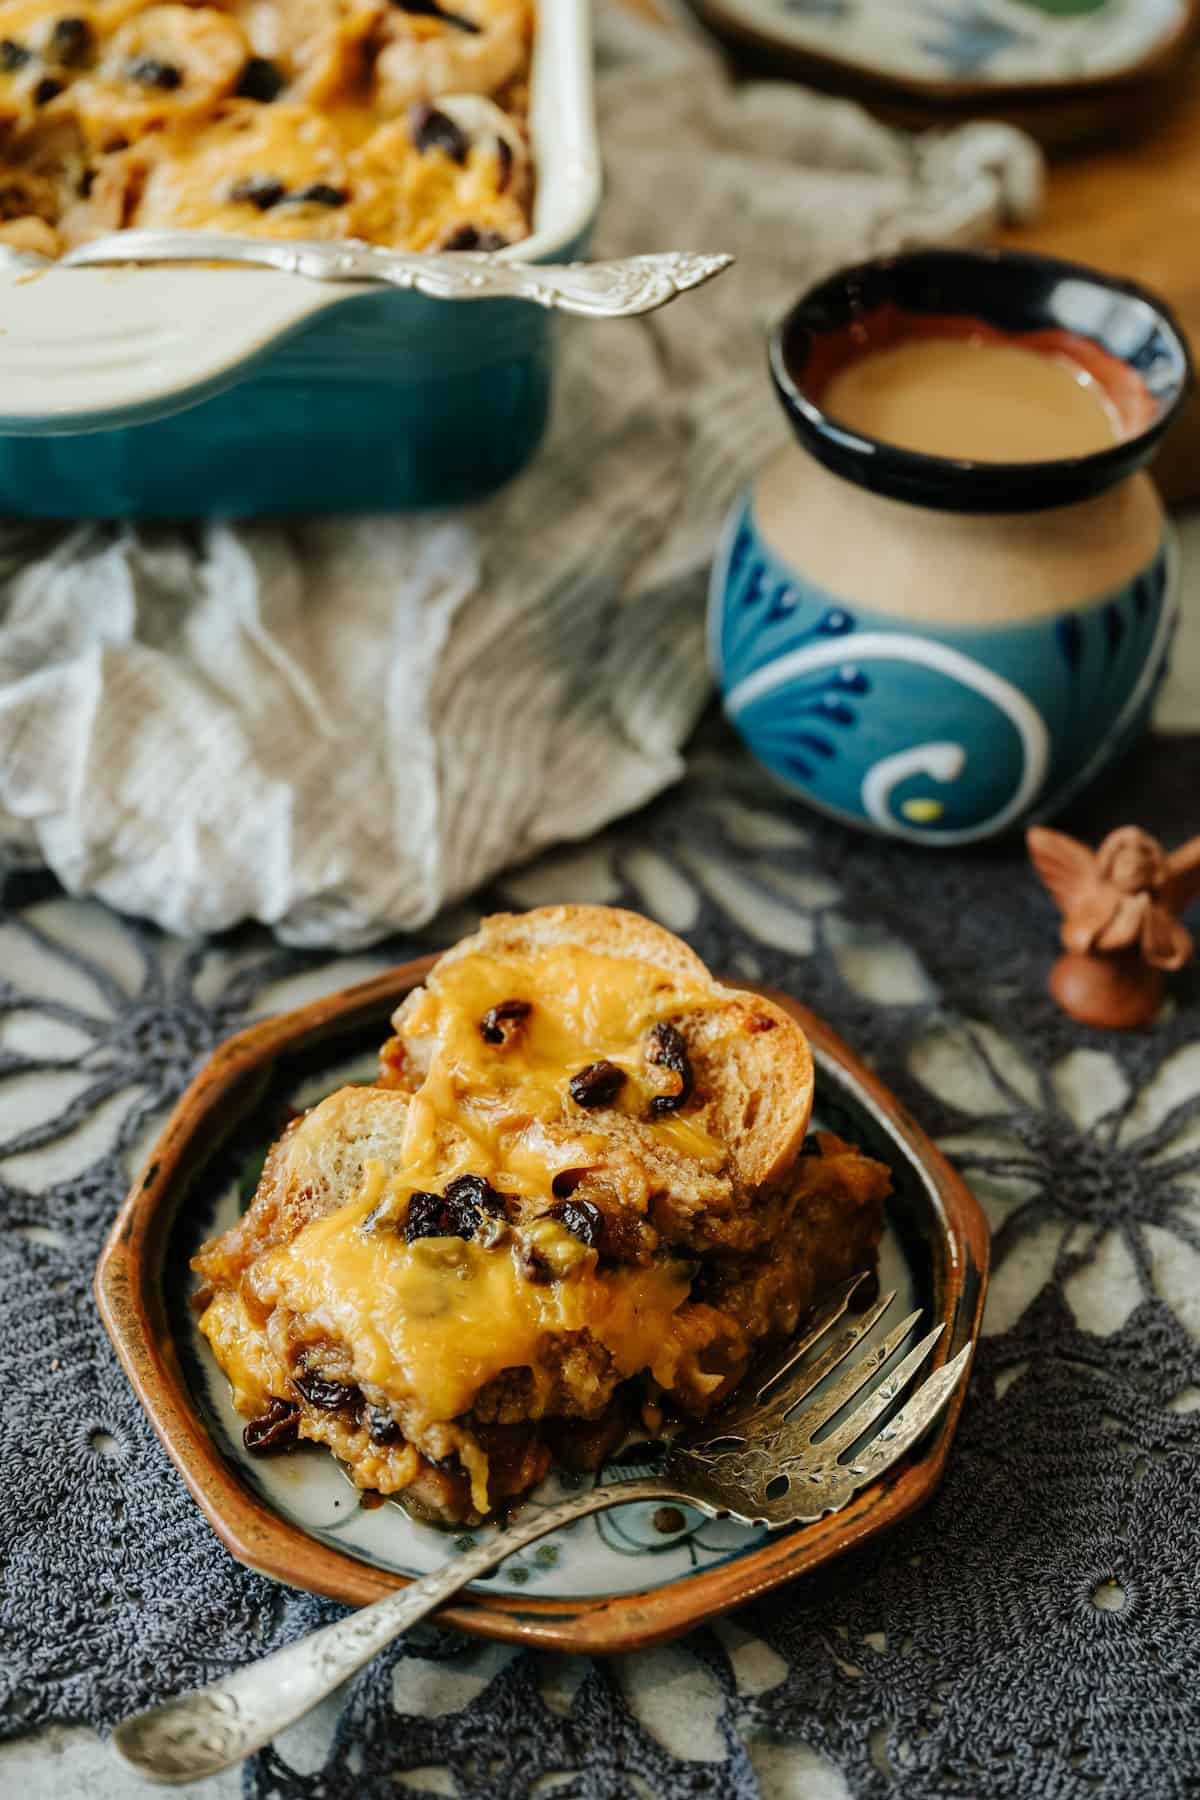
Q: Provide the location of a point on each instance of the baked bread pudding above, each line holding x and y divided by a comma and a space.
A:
581, 1193
401, 122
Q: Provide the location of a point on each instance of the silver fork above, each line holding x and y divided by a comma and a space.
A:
752, 1461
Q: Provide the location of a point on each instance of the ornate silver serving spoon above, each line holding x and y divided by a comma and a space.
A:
593, 290
751, 1461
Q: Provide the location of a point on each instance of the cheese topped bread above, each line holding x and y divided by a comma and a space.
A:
581, 1188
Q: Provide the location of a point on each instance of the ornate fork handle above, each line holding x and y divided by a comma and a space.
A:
203, 1732
600, 290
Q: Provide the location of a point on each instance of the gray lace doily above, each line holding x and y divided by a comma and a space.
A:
1034, 1633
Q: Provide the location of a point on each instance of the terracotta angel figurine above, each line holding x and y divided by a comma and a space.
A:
1120, 926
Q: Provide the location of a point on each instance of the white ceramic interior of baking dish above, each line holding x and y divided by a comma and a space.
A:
78, 343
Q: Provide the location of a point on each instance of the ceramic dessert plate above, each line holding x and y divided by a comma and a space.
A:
957, 47
634, 1576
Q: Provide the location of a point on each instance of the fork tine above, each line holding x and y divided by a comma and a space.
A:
784, 1396
848, 1385
816, 1327
889, 1389
787, 1399
913, 1419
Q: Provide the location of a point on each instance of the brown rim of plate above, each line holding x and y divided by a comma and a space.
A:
129, 1294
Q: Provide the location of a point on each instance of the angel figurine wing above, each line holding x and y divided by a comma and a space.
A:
1182, 884
1070, 874
1165, 943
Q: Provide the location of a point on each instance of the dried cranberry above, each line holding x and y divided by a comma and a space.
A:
437, 1215
430, 9
46, 90
149, 72
434, 130
327, 1396
260, 79
469, 237
13, 55
263, 191
319, 193
382, 1428
581, 1219
500, 1022
478, 1192
667, 1050
273, 1430
70, 43
597, 1085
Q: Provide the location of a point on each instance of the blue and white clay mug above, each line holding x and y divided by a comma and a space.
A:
943, 649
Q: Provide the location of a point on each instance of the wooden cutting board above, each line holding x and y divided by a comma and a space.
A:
1133, 209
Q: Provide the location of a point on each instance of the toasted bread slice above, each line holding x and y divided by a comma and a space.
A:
609, 977
318, 1165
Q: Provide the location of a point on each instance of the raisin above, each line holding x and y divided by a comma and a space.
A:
759, 1022
46, 90
434, 130
504, 159
273, 1430
327, 1396
436, 1215
469, 237
811, 1145
149, 72
581, 1219
263, 191
382, 1428
319, 193
13, 55
667, 1050
478, 1192
431, 9
597, 1085
70, 43
500, 1022
260, 79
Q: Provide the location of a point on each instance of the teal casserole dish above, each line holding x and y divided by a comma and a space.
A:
240, 393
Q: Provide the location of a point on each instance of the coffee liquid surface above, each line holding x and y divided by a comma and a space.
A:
974, 400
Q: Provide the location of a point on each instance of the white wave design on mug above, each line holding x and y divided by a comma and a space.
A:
942, 761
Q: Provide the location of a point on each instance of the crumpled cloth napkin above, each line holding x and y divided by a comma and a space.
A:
337, 726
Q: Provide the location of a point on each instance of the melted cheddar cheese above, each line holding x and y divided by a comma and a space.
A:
508, 1103
431, 1323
